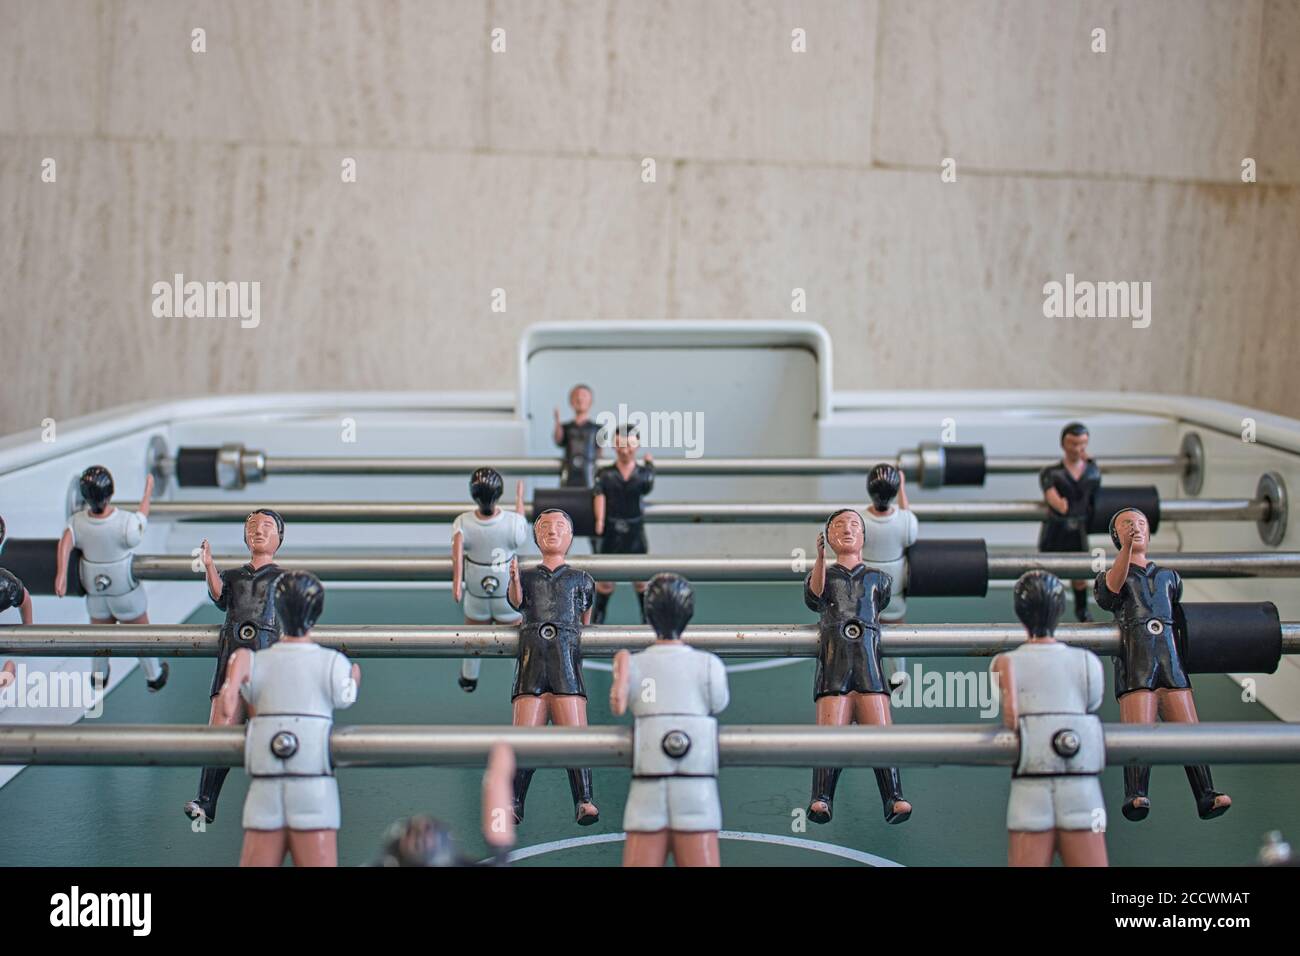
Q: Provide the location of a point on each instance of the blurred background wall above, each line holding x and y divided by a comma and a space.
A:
522, 170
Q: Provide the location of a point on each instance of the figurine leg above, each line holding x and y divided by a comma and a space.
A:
99, 666
1137, 707
1081, 601
874, 709
695, 848
1082, 848
570, 710
832, 710
528, 711
470, 666
1030, 847
604, 590
1177, 706
155, 672
264, 847
646, 849
314, 847
211, 779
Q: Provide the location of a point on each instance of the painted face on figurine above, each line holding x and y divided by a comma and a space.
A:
1075, 446
262, 532
625, 445
1131, 525
845, 533
580, 399
553, 532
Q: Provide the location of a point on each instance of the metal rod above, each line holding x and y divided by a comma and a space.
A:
909, 462
454, 640
900, 745
401, 512
1002, 566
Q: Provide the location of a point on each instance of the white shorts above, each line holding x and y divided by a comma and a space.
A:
672, 803
298, 803
120, 607
1056, 803
496, 609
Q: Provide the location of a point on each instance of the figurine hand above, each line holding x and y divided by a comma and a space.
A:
7, 675
514, 570
205, 553
556, 413
148, 486
649, 458
61, 585
821, 544
457, 589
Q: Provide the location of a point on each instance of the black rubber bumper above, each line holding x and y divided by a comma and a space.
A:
952, 568
197, 467
1107, 501
963, 465
576, 502
1224, 638
34, 561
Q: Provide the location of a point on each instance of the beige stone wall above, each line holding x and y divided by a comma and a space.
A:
522, 170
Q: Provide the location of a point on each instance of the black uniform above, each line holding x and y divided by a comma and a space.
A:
248, 598
624, 520
550, 655
11, 591
579, 444
1148, 659
1069, 531
848, 650
1144, 610
848, 660
550, 637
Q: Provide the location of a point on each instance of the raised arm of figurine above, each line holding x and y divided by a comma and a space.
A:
457, 558
215, 583
515, 591
519, 498
25, 609
498, 798
61, 563
1002, 666
1118, 572
237, 671
558, 431
619, 688
818, 580
902, 491
1051, 494
143, 510
7, 674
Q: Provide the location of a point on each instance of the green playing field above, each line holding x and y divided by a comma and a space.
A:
71, 816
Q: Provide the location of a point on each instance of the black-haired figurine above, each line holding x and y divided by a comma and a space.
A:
555, 600
1049, 689
12, 594
483, 543
424, 841
578, 439
620, 523
1149, 674
850, 684
107, 537
891, 528
1068, 489
673, 691
247, 595
290, 691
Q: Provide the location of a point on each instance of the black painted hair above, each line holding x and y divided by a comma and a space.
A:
279, 523
551, 511
835, 514
883, 484
485, 487
2, 531
299, 600
669, 605
1114, 535
590, 390
1074, 428
1040, 601
625, 430
419, 841
97, 487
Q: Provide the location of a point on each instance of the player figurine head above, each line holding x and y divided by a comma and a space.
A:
97, 488
1130, 524
669, 605
1040, 601
845, 534
299, 600
1074, 441
882, 486
553, 532
626, 442
485, 487
264, 532
580, 397
419, 841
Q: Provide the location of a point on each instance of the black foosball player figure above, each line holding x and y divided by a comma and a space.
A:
1149, 674
247, 595
424, 841
578, 439
1068, 489
555, 600
850, 685
620, 522
12, 594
